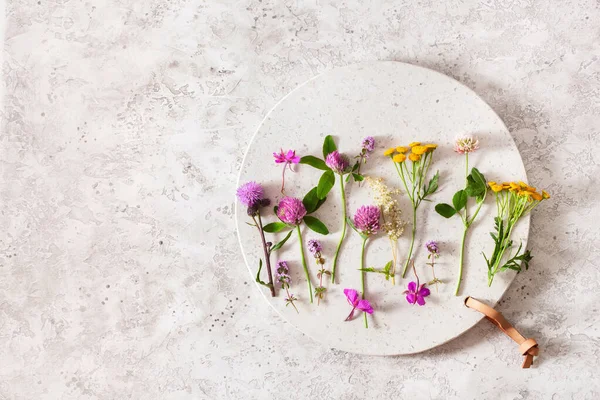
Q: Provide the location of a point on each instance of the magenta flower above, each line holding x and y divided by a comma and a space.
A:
314, 246
416, 296
366, 219
368, 145
250, 194
337, 162
357, 303
466, 144
291, 210
287, 159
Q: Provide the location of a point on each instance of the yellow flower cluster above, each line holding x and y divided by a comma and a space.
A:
417, 150
520, 189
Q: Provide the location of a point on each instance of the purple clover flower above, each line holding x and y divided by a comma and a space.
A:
291, 210
314, 246
250, 194
337, 162
366, 219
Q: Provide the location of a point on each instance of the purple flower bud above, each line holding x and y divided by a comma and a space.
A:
368, 144
432, 247
314, 246
282, 267
337, 162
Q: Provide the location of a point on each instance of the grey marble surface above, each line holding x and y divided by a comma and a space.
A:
123, 128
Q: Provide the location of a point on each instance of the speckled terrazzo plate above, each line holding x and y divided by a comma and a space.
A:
396, 103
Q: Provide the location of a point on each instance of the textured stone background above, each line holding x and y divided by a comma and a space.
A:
124, 125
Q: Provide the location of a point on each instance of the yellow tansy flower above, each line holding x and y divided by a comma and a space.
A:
491, 183
399, 158
389, 152
419, 150
496, 188
414, 157
514, 186
545, 194
401, 149
524, 193
523, 184
431, 146
536, 196
413, 144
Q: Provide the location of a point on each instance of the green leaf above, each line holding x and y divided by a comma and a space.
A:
357, 177
355, 167
369, 269
325, 184
433, 184
311, 200
314, 162
316, 225
445, 210
320, 203
459, 200
328, 146
351, 223
258, 280
275, 227
478, 176
280, 244
474, 188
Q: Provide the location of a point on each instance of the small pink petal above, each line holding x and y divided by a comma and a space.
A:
290, 154
352, 296
420, 300
365, 306
424, 291
295, 160
412, 287
411, 298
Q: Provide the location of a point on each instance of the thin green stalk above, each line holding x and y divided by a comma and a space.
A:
412, 242
466, 168
362, 275
460, 262
304, 263
337, 251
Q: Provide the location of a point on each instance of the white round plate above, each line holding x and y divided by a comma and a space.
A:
396, 103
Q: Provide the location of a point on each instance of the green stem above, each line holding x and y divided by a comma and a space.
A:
337, 251
304, 263
412, 242
466, 168
362, 275
460, 262
503, 246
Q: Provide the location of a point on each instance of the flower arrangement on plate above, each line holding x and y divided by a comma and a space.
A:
412, 163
